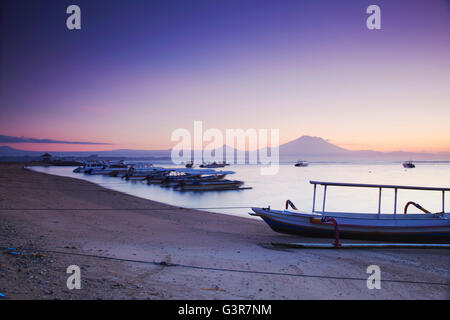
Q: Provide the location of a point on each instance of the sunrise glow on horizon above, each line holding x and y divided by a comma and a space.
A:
136, 72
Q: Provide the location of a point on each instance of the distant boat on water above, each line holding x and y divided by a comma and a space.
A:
189, 164
214, 165
194, 180
408, 164
214, 185
102, 168
89, 165
301, 163
140, 171
179, 176
181, 179
110, 168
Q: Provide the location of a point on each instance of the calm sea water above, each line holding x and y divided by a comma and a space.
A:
293, 183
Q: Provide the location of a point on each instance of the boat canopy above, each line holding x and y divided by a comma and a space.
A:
378, 186
200, 171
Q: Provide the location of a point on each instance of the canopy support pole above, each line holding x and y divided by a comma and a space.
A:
379, 202
395, 202
314, 198
324, 197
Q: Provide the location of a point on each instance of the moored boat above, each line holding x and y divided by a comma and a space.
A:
172, 177
177, 176
189, 164
174, 181
88, 165
214, 165
109, 168
141, 171
428, 227
408, 164
301, 163
157, 177
217, 185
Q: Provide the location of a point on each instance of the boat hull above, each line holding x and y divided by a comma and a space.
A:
105, 172
408, 164
212, 165
355, 227
137, 178
211, 185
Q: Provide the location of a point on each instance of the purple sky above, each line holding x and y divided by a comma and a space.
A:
137, 70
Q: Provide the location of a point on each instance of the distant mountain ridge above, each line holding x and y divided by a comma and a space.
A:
305, 148
311, 145
316, 148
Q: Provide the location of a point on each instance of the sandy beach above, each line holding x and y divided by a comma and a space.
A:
56, 222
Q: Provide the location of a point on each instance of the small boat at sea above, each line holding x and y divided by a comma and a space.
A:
88, 165
172, 177
214, 165
176, 180
178, 176
109, 168
301, 163
189, 164
157, 177
426, 226
195, 180
141, 172
182, 179
215, 185
408, 164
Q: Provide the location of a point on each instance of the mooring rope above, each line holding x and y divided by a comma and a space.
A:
125, 209
168, 264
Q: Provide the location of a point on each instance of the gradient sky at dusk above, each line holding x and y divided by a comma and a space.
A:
137, 70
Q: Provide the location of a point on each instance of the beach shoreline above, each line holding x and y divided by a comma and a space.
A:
113, 182
60, 221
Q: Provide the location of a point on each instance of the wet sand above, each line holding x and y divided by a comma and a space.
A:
84, 220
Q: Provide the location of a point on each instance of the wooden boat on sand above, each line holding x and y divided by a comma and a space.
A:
427, 227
